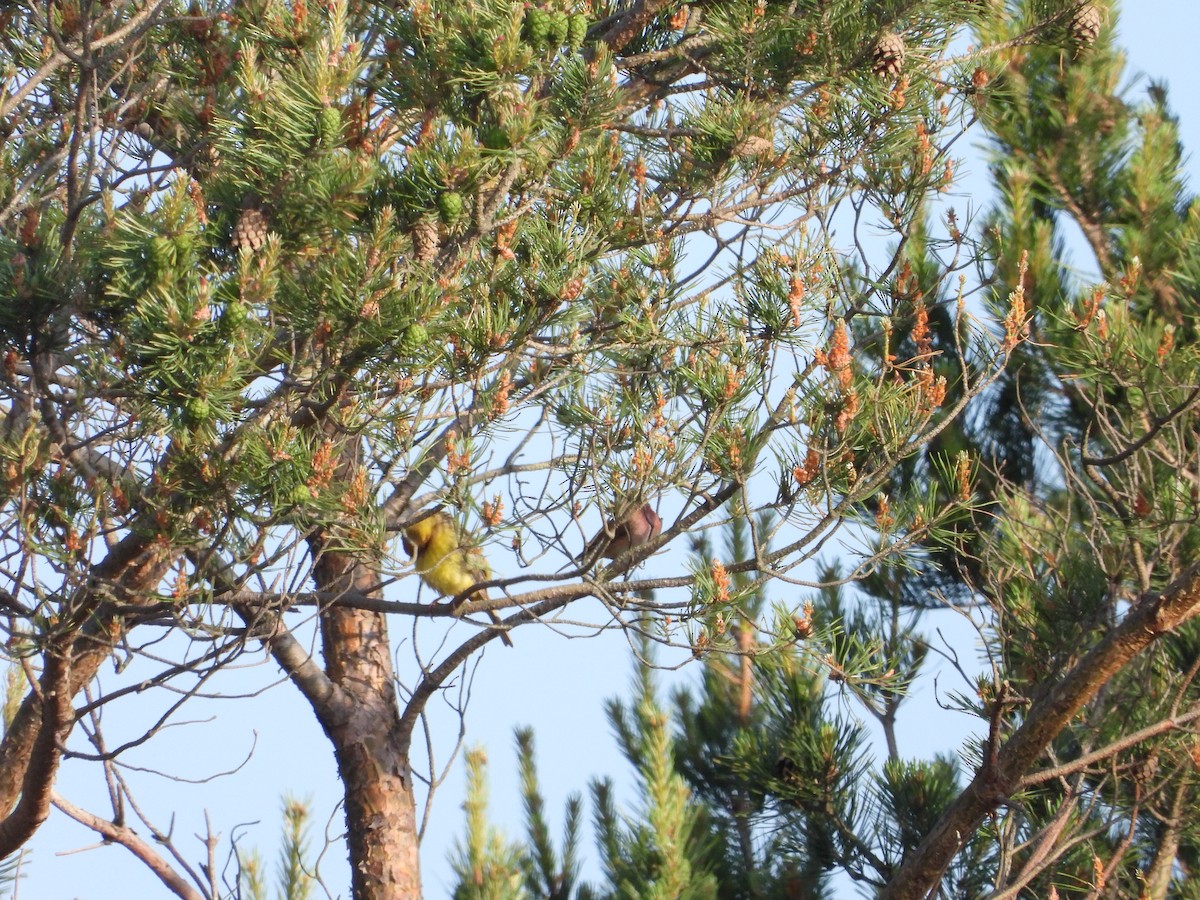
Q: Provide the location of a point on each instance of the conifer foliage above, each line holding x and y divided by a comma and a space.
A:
1077, 564
278, 278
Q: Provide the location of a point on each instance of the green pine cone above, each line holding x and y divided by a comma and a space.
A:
414, 338
494, 138
557, 36
537, 27
329, 126
450, 207
577, 26
235, 316
182, 246
299, 495
197, 410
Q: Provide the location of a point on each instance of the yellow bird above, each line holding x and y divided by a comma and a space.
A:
446, 563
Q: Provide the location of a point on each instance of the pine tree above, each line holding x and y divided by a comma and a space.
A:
1088, 508
294, 879
663, 852
488, 868
546, 874
276, 280
1079, 550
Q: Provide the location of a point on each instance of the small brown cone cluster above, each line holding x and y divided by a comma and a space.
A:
425, 240
251, 229
1085, 25
888, 59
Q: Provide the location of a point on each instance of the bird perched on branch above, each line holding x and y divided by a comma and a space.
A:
641, 527
446, 562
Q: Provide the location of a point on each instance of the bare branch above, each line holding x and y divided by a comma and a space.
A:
128, 838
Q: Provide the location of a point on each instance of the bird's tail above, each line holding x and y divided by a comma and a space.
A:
492, 614
504, 632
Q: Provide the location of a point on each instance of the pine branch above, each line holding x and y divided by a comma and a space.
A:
1147, 622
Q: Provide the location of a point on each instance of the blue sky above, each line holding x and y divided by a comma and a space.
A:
555, 683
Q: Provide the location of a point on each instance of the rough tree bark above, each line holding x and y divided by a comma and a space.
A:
54, 700
372, 754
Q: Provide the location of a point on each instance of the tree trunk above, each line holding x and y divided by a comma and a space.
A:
38, 783
372, 754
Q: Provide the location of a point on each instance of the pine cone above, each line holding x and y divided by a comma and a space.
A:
1085, 25
251, 229
450, 207
888, 58
537, 27
557, 33
577, 27
754, 146
413, 338
425, 240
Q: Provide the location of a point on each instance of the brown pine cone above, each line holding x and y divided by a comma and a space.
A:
888, 58
251, 229
754, 146
1085, 25
425, 240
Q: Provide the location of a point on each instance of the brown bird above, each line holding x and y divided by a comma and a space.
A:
447, 563
642, 526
